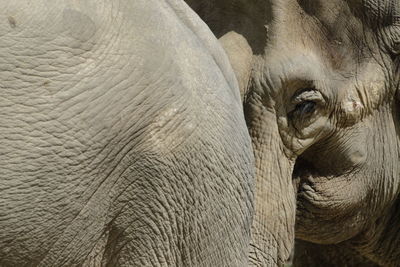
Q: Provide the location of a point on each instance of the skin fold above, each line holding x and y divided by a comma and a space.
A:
310, 254
125, 142
123, 138
319, 82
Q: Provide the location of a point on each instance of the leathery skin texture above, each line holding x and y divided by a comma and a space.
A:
319, 81
123, 141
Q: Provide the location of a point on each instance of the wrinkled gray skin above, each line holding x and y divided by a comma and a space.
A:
311, 254
123, 141
319, 81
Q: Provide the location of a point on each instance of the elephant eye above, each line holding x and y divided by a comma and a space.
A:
305, 102
306, 110
305, 107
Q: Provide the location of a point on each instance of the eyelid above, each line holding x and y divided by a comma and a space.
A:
308, 95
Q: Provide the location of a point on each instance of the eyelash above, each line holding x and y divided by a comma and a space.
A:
305, 107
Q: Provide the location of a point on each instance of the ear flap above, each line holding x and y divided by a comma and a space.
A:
395, 44
395, 28
382, 16
395, 54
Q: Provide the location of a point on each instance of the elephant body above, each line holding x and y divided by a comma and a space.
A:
314, 255
319, 81
125, 142
123, 138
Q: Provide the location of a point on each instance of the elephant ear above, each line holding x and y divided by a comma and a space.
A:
383, 17
392, 31
392, 34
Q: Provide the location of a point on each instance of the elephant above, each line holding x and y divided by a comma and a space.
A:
124, 141
311, 254
319, 82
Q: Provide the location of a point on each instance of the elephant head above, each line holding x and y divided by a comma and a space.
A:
319, 81
123, 140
